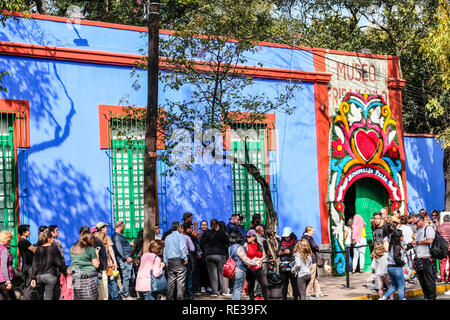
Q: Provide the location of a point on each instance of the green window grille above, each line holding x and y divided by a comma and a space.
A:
248, 198
8, 181
127, 166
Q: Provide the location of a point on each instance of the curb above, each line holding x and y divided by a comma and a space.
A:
408, 293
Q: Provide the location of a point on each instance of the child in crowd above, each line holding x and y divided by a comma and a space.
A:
380, 264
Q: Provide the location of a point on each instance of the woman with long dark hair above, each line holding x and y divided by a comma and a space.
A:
84, 267
215, 244
396, 261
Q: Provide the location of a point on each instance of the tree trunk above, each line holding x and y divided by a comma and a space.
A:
150, 182
272, 216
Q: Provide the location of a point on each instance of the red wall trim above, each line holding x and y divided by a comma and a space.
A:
131, 60
106, 112
68, 54
171, 32
395, 102
21, 122
419, 135
322, 136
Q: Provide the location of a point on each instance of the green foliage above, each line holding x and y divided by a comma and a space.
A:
10, 6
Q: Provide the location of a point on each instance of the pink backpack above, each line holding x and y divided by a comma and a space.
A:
66, 287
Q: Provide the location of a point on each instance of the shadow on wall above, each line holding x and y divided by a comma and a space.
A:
206, 191
424, 174
62, 195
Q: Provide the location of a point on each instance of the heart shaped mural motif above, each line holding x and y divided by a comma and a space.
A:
366, 143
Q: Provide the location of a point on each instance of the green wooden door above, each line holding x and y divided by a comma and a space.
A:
370, 198
8, 185
248, 198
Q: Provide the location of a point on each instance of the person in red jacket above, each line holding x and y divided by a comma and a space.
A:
444, 231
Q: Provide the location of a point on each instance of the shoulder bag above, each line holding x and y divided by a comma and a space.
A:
158, 284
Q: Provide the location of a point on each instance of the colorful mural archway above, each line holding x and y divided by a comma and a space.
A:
363, 144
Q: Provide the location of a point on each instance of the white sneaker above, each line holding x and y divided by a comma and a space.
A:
214, 295
203, 290
382, 298
447, 293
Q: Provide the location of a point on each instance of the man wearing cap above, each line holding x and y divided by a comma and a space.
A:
176, 260
424, 239
122, 249
188, 218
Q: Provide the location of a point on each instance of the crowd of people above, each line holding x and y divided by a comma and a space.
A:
400, 250
187, 261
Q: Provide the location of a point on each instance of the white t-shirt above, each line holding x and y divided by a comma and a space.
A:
348, 240
423, 250
407, 234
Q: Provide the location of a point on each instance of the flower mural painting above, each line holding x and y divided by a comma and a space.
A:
393, 150
363, 144
338, 148
395, 206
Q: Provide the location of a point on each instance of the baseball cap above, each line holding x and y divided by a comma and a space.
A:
118, 223
101, 225
286, 232
187, 215
251, 233
93, 229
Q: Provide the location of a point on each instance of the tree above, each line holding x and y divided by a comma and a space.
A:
205, 55
436, 49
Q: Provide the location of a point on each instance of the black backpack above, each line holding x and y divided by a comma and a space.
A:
439, 247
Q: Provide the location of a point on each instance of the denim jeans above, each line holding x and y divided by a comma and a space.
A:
127, 277
49, 282
239, 282
113, 289
190, 279
149, 295
397, 282
349, 254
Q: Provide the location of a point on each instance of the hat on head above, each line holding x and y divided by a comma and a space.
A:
286, 232
118, 223
187, 215
93, 229
251, 233
101, 225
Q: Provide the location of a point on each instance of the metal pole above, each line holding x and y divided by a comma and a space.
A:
347, 273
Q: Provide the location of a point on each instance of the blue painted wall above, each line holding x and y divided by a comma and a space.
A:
424, 174
64, 177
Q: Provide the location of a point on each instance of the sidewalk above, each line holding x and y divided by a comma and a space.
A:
334, 288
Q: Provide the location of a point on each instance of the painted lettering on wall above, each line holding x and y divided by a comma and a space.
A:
355, 74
